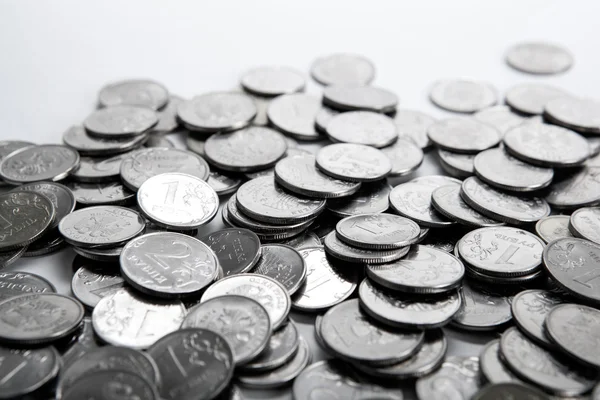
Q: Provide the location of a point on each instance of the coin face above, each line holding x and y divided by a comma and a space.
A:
456, 164
282, 346
125, 318
217, 111
14, 284
413, 125
370, 198
284, 264
271, 294
492, 367
93, 281
61, 197
25, 216
304, 240
447, 201
102, 226
500, 117
168, 264
325, 285
167, 116
501, 205
541, 58
423, 270
273, 81
481, 310
404, 155
343, 69
300, 175
530, 308
362, 127
177, 201
142, 93
378, 231
461, 95
585, 223
223, 183
37, 318
579, 189
26, 370
531, 98
353, 162
101, 194
9, 146
323, 116
553, 227
94, 169
463, 135
342, 251
38, 163
77, 138
120, 121
237, 250
457, 375
580, 114
101, 385
534, 364
365, 98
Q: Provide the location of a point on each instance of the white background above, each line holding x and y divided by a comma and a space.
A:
55, 55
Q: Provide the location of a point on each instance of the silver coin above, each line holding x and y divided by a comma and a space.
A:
578, 189
250, 149
50, 242
513, 281
217, 111
405, 157
167, 116
423, 270
333, 379
282, 346
237, 250
499, 169
262, 105
158, 140
343, 69
491, 366
344, 327
199, 353
271, 294
300, 175
93, 281
539, 58
25, 216
135, 92
325, 285
120, 122
143, 164
413, 200
546, 145
110, 254
284, 264
370, 198
37, 318
195, 144
501, 205
61, 197
77, 138
463, 135
378, 231
594, 143
500, 117
24, 371
177, 201
223, 183
281, 376
463, 95
242, 321
412, 125
16, 283
481, 310
101, 226
508, 390
9, 146
529, 310
580, 114
573, 264
273, 81
407, 310
101, 194
264, 201
306, 239
553, 227
323, 116
532, 363
47, 162
362, 127
353, 162
573, 328
102, 385
168, 264
360, 98
95, 170
342, 251
456, 164
427, 359
502, 251
531, 98
457, 378
125, 318
585, 223
447, 201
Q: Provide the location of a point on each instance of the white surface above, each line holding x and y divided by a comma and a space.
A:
57, 54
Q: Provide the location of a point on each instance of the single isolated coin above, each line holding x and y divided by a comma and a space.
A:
481, 310
101, 194
531, 98
540, 58
553, 227
120, 122
77, 138
529, 310
26, 216
237, 250
500, 117
294, 115
360, 98
362, 127
459, 376
371, 198
378, 231
456, 164
463, 95
14, 284
284, 264
217, 112
353, 162
135, 92
447, 201
93, 281
342, 251
580, 114
249, 149
463, 135
26, 370
343, 69
48, 162
585, 223
578, 189
177, 201
61, 197
412, 124
272, 81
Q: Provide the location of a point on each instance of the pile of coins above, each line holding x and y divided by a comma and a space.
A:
163, 309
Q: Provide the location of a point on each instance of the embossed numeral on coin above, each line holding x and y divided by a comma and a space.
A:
507, 255
162, 259
171, 191
176, 361
145, 327
4, 223
587, 277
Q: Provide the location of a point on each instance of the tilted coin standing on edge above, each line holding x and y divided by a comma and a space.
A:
541, 58
47, 162
343, 69
362, 127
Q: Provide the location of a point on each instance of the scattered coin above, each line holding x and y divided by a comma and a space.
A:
585, 223
77, 138
553, 227
306, 239
378, 231
157, 140
38, 163
102, 384
98, 170
273, 81
508, 390
223, 183
9, 146
579, 114
539, 58
447, 201
167, 116
491, 366
110, 254
217, 112
25, 217
101, 194
360, 98
26, 370
294, 115
463, 95
500, 117
463, 135
281, 348
284, 264
481, 309
413, 125
93, 281
120, 121
458, 376
237, 250
531, 98
61, 197
405, 157
195, 144
371, 198
529, 310
362, 127
323, 116
353, 162
578, 189
142, 93
456, 164
14, 284
343, 69
340, 250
